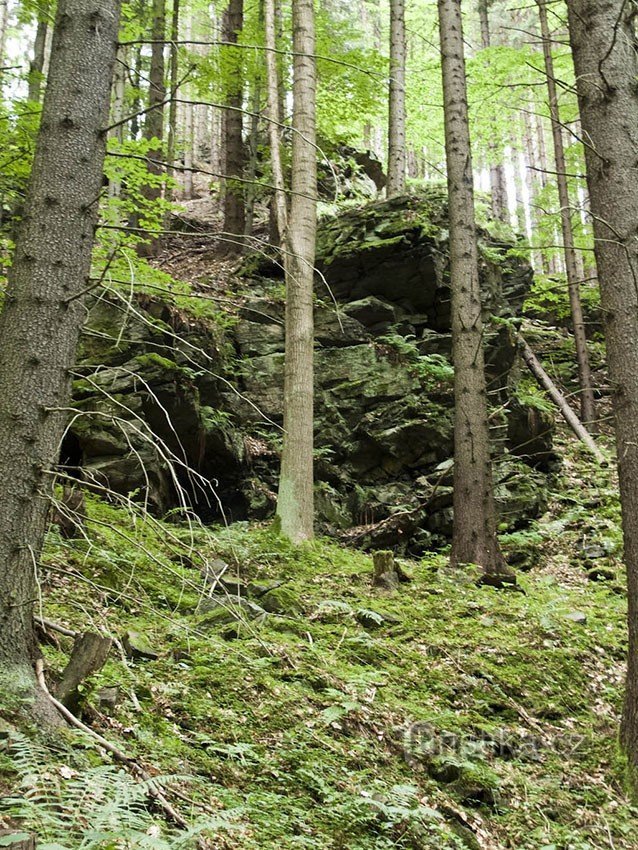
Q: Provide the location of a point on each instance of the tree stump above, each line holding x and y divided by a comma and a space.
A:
385, 571
13, 839
89, 655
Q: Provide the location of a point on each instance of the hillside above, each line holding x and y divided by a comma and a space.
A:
315, 711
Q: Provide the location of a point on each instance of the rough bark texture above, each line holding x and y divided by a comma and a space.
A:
604, 46
234, 154
396, 130
89, 655
43, 311
295, 505
474, 537
14, 840
587, 404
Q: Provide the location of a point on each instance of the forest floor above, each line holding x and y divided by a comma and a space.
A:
441, 715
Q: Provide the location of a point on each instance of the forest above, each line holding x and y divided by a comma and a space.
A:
319, 424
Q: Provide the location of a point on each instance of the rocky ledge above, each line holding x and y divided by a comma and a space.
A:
186, 397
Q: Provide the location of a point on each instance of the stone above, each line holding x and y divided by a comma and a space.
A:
138, 647
577, 617
222, 610
384, 429
601, 574
257, 589
372, 312
108, 698
281, 600
593, 551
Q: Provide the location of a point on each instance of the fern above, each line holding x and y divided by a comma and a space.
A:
95, 808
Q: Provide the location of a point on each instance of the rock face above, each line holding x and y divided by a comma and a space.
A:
207, 392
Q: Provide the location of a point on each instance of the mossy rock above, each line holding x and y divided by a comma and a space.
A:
281, 600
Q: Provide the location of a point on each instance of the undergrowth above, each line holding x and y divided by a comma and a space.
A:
438, 716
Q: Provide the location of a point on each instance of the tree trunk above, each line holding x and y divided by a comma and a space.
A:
234, 204
44, 311
171, 146
295, 504
253, 141
587, 404
4, 27
36, 65
603, 42
274, 130
536, 368
154, 120
396, 129
474, 535
500, 207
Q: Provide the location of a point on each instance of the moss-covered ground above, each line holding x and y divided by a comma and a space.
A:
440, 715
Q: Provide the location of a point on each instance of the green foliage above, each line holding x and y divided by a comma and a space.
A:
79, 807
430, 368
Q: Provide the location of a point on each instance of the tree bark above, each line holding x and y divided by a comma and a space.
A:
171, 146
234, 202
253, 140
89, 655
498, 183
534, 365
154, 120
587, 403
295, 503
43, 312
36, 65
274, 118
603, 40
474, 534
4, 27
396, 127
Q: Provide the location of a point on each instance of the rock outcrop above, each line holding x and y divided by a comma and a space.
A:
206, 392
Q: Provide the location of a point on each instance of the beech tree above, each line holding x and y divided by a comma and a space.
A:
587, 403
44, 311
396, 112
603, 38
295, 505
474, 538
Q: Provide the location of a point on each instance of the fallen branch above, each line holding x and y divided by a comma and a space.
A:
55, 627
536, 368
138, 772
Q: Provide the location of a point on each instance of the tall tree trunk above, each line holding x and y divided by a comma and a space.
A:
253, 139
604, 47
234, 203
154, 119
171, 146
4, 28
295, 504
587, 403
43, 311
474, 535
500, 208
36, 65
396, 129
278, 205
